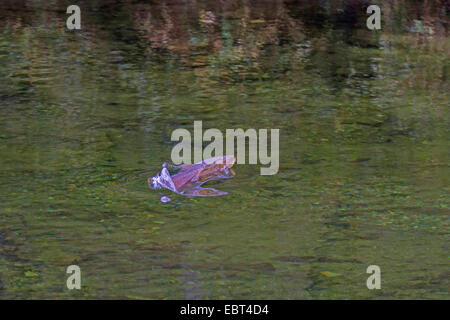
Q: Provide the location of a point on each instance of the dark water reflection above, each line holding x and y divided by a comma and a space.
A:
86, 118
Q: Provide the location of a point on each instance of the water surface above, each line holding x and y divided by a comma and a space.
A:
86, 118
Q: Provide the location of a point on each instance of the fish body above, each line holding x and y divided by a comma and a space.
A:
202, 171
189, 177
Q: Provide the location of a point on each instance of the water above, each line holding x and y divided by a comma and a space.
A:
86, 118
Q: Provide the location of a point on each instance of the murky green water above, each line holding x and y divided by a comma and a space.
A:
86, 118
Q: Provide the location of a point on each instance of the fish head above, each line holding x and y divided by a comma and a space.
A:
162, 180
153, 183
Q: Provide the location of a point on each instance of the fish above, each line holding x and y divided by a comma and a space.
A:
188, 179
